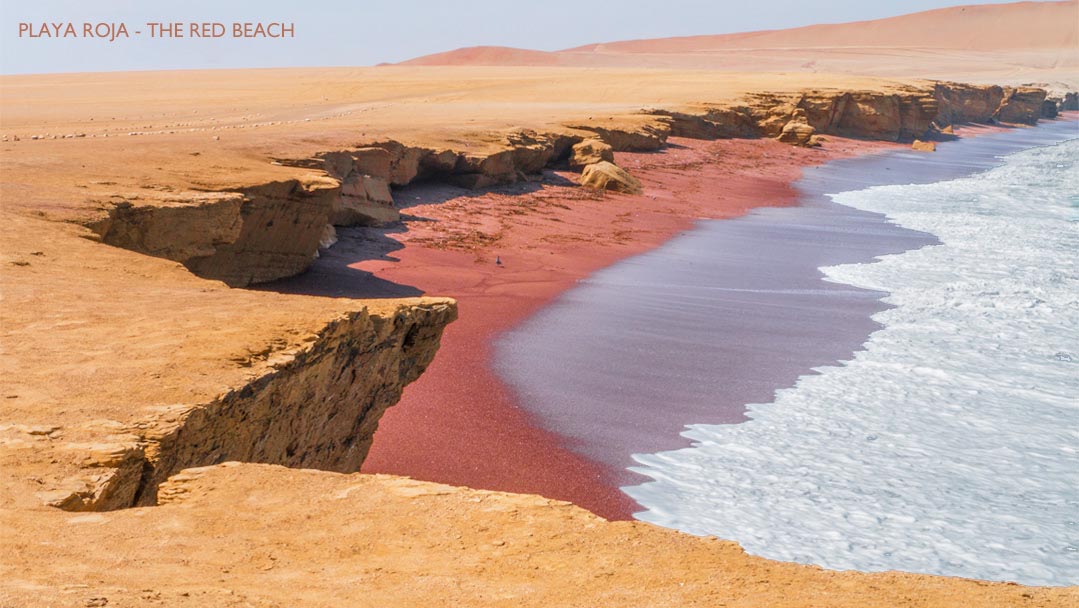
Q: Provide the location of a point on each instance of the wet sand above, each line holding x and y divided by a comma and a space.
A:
460, 424
724, 315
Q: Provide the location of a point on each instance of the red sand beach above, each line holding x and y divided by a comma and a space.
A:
459, 424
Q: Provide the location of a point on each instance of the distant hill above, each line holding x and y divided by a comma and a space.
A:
1043, 35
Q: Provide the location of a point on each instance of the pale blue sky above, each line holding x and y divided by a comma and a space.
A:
365, 32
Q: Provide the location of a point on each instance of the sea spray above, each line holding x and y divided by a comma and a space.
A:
950, 445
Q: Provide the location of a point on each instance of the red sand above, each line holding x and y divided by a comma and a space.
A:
459, 424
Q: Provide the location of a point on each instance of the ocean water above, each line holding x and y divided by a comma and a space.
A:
950, 443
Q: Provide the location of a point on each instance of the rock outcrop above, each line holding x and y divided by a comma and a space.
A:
608, 176
273, 230
713, 122
365, 175
588, 152
885, 116
923, 146
313, 407
798, 131
648, 136
1070, 103
1022, 105
963, 103
257, 234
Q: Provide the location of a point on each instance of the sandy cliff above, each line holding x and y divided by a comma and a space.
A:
121, 369
128, 357
256, 229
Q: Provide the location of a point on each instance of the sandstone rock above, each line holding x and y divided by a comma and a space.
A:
317, 407
870, 115
1022, 105
1049, 109
1071, 102
531, 151
588, 152
714, 123
923, 146
337, 164
948, 130
631, 138
609, 176
438, 163
865, 114
404, 161
476, 171
372, 161
261, 233
960, 103
797, 131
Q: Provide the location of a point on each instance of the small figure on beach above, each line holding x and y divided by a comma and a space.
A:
498, 261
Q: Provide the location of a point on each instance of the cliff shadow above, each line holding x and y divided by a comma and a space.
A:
333, 274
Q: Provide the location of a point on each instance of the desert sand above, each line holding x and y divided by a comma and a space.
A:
978, 43
144, 213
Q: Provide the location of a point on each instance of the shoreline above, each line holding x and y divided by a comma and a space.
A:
833, 416
719, 317
460, 424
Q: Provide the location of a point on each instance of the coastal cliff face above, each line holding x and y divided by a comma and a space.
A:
257, 234
274, 230
905, 115
316, 406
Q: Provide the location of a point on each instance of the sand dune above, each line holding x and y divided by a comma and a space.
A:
1001, 42
992, 27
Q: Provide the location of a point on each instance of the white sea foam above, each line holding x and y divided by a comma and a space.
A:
950, 445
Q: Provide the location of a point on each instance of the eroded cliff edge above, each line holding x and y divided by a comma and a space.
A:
129, 369
269, 230
316, 404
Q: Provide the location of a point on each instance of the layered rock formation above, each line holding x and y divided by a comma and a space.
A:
905, 114
316, 407
273, 230
798, 131
258, 234
130, 368
590, 151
